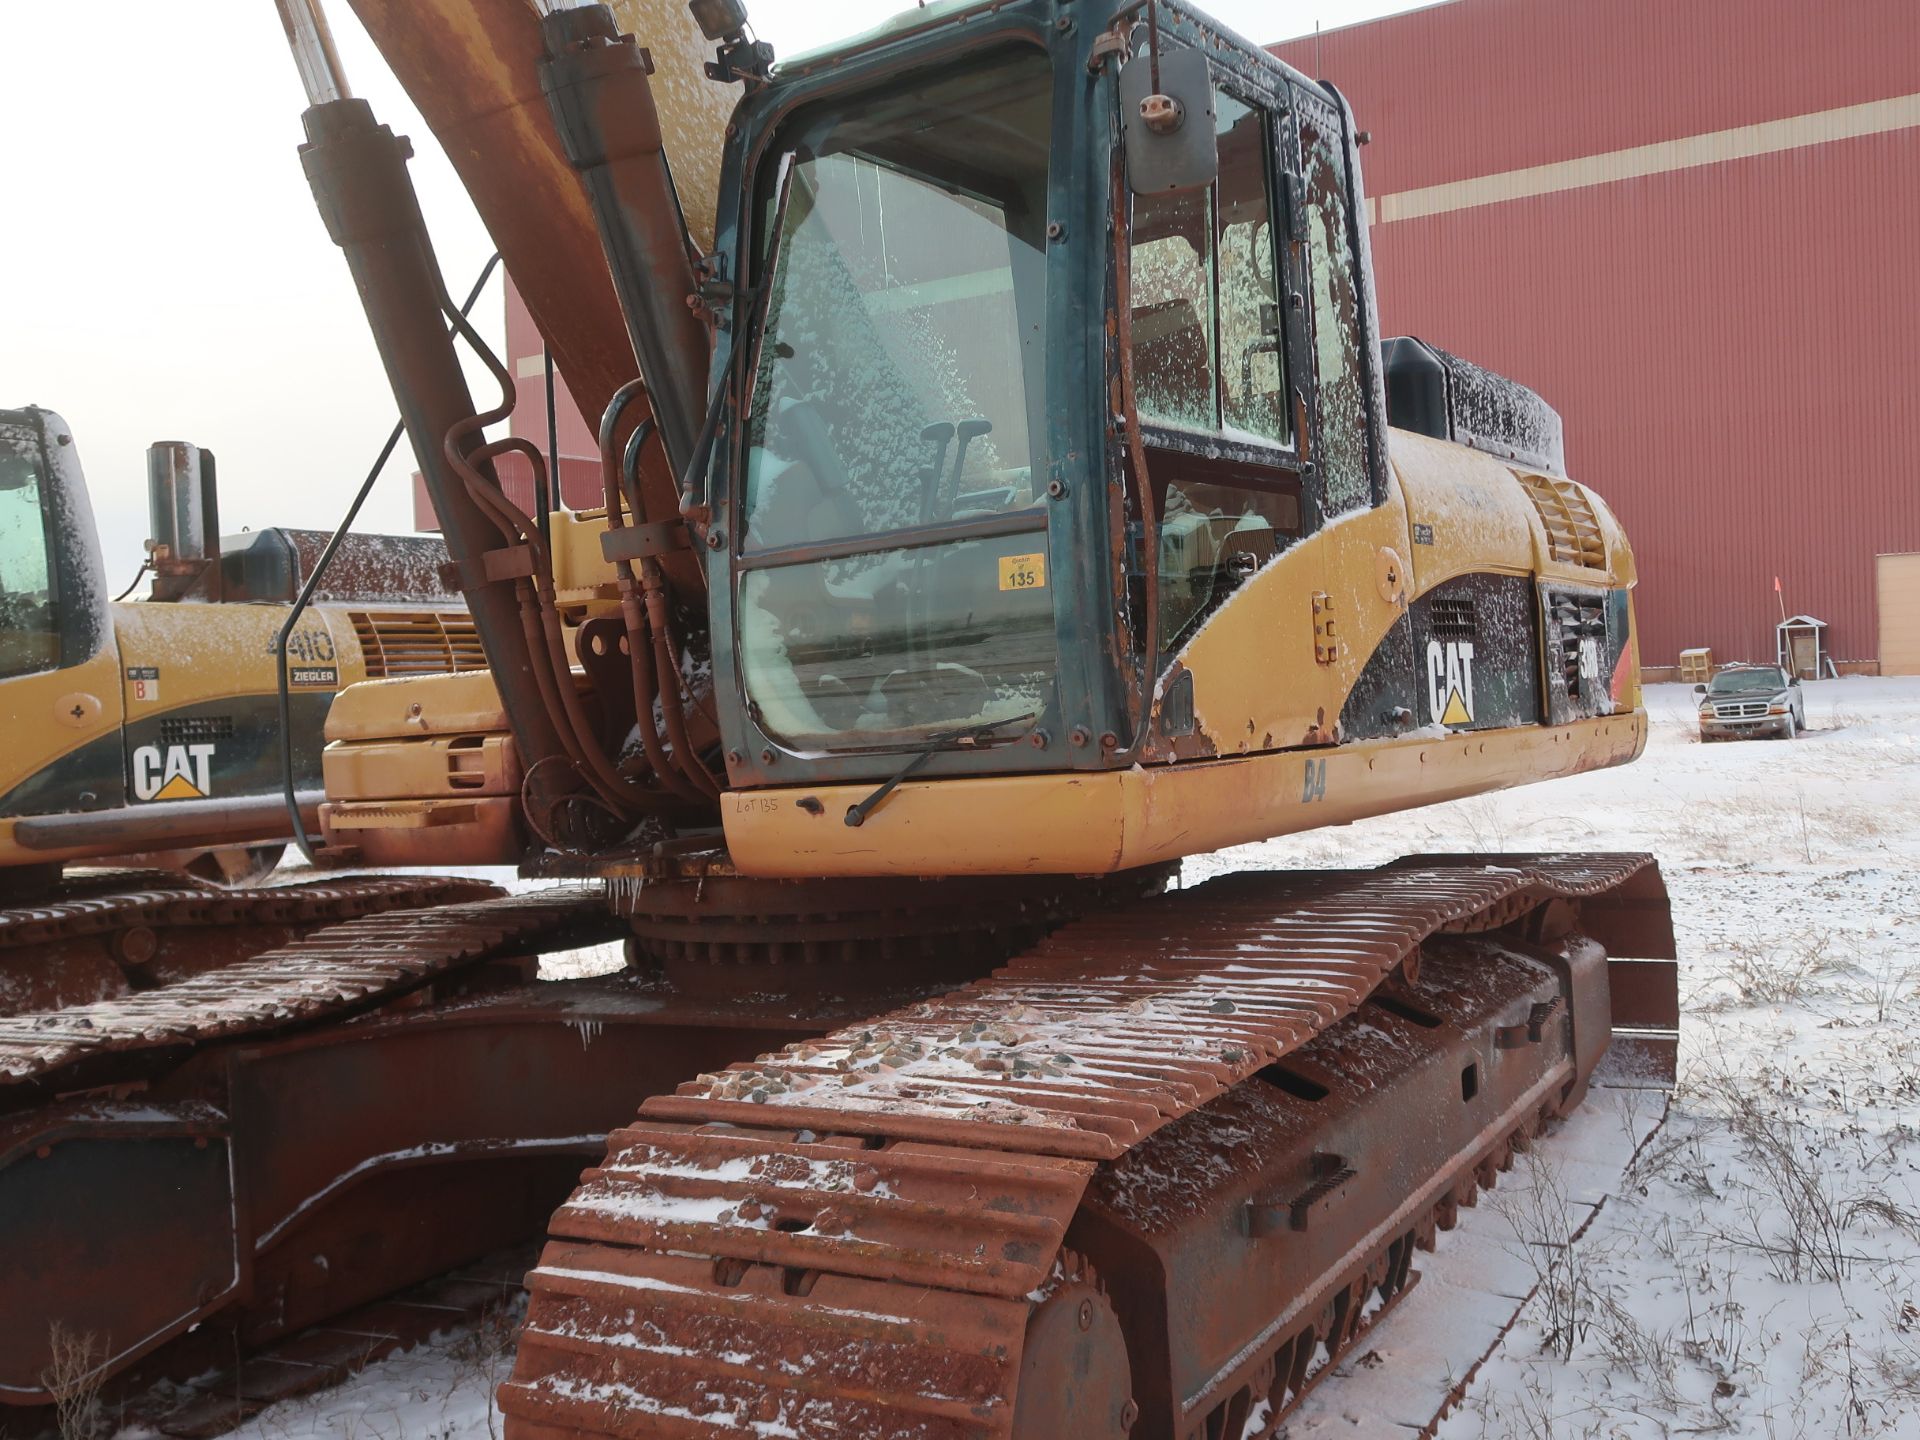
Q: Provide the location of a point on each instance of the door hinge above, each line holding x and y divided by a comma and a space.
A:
1326, 643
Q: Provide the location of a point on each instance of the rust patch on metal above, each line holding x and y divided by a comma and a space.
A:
105, 934
332, 972
472, 68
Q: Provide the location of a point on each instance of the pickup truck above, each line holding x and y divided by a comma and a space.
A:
1748, 700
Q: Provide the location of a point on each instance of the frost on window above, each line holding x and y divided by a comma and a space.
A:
1336, 322
1172, 273
898, 411
894, 319
904, 641
1252, 348
29, 634
1209, 355
1208, 352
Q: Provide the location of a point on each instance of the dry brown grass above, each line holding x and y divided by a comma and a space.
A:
75, 1371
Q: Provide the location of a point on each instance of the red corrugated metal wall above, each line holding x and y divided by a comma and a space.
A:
579, 450
1735, 346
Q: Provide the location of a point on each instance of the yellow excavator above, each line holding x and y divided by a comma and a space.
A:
148, 736
1006, 494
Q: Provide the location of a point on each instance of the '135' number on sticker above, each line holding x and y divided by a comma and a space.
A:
1023, 572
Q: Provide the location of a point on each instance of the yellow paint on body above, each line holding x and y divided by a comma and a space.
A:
1099, 822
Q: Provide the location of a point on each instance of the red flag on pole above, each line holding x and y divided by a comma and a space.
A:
1776, 584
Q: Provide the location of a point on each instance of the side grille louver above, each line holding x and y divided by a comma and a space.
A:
1453, 618
187, 729
417, 642
1573, 530
1575, 618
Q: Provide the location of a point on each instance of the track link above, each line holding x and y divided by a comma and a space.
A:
847, 1238
244, 1143
115, 899
333, 971
99, 935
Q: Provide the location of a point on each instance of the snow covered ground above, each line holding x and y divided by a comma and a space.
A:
1758, 1274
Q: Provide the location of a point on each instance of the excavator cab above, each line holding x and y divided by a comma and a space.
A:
970, 506
892, 577
59, 676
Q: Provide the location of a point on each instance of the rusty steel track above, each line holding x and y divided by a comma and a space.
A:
1157, 1008
114, 900
855, 1236
478, 1294
331, 972
290, 1137
104, 934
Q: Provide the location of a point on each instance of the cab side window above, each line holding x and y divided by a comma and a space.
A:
1334, 304
1210, 366
1253, 370
29, 637
1173, 347
1208, 352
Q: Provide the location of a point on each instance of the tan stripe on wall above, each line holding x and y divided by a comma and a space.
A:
1796, 132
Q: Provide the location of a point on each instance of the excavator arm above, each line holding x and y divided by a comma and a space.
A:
473, 69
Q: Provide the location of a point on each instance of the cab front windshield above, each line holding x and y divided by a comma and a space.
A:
29, 634
1763, 681
893, 580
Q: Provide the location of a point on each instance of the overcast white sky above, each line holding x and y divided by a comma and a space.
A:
166, 276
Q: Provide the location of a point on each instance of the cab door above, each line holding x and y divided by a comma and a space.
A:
60, 692
1365, 559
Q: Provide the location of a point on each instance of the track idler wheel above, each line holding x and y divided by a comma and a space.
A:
1075, 1382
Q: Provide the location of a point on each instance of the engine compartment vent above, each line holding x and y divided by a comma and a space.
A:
1573, 530
187, 729
417, 642
1579, 623
1453, 617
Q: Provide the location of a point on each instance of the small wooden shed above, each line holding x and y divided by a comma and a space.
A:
1801, 647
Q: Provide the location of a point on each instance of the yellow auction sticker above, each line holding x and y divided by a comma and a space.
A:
1023, 572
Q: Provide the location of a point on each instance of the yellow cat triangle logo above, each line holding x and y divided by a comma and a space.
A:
179, 772
1450, 681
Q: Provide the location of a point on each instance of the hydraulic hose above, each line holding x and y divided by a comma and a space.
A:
301, 601
614, 477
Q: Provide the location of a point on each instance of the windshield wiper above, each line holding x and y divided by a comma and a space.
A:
966, 735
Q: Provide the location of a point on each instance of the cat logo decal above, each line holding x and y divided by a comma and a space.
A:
179, 772
1450, 681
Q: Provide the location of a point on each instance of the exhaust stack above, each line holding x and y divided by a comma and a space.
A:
183, 507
